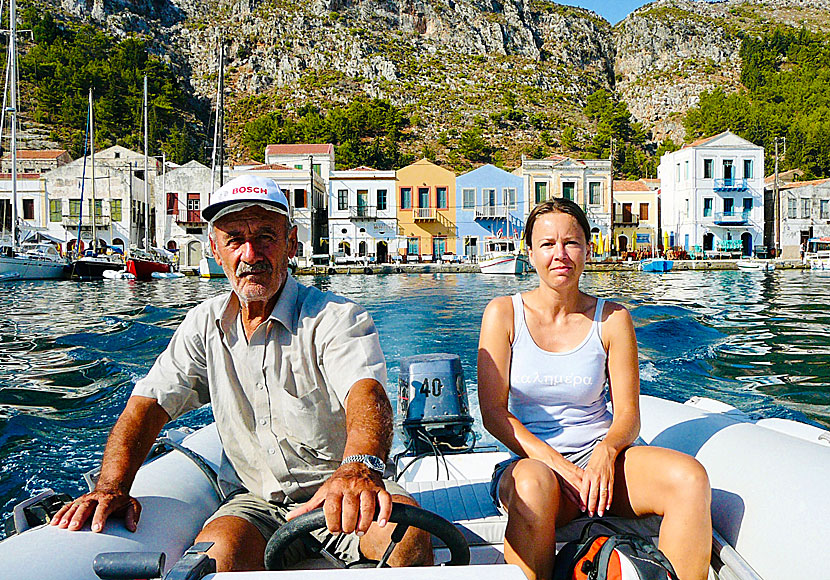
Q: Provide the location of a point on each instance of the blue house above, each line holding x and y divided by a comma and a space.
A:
489, 202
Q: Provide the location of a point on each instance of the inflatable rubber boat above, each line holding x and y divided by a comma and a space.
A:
769, 480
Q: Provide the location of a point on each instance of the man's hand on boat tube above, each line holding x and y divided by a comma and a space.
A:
99, 505
350, 498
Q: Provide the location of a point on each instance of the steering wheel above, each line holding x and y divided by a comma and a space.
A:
403, 515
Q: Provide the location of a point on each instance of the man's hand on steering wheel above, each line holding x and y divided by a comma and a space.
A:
350, 499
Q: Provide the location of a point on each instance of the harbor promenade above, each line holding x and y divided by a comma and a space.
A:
679, 265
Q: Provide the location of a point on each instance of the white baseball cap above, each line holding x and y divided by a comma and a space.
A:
245, 191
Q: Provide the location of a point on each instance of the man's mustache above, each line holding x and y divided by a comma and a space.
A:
255, 268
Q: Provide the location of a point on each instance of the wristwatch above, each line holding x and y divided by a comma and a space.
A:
370, 461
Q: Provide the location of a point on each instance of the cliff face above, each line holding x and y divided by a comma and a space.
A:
454, 62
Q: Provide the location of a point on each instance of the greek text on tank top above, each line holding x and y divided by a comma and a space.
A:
559, 396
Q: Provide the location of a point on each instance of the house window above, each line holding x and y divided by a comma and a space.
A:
441, 194
55, 210
439, 247
824, 209
99, 207
643, 211
728, 173
381, 199
298, 166
568, 188
509, 194
728, 205
805, 208
470, 246
115, 210
74, 208
406, 198
423, 197
28, 209
299, 198
342, 199
747, 206
488, 197
687, 208
412, 246
686, 170
792, 208
194, 213
172, 202
708, 168
468, 198
541, 189
707, 206
595, 193
677, 174
315, 167
748, 169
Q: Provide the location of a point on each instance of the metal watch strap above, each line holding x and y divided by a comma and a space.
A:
371, 461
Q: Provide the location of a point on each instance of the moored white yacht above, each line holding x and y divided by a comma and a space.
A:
502, 256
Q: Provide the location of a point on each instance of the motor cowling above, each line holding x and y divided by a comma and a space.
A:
433, 409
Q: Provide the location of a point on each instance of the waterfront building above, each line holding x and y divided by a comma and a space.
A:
36, 160
317, 157
489, 202
187, 190
426, 211
584, 181
363, 223
635, 215
804, 212
711, 196
119, 209
32, 207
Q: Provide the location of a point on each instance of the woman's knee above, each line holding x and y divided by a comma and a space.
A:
534, 487
688, 479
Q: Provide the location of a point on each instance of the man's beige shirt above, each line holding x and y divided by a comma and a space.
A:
279, 398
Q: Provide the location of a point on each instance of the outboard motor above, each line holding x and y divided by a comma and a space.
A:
433, 410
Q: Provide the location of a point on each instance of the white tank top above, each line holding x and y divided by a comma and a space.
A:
559, 396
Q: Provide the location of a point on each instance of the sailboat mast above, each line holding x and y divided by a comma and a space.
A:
13, 111
92, 215
146, 176
217, 129
221, 113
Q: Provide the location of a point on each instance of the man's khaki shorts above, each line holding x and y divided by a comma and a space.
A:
267, 516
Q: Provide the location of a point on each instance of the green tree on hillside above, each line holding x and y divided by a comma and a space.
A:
786, 73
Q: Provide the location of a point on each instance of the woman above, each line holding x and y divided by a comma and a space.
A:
545, 358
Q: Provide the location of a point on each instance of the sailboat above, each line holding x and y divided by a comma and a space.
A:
92, 266
26, 261
143, 262
502, 255
208, 267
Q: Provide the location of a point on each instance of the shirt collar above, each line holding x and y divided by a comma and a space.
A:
283, 312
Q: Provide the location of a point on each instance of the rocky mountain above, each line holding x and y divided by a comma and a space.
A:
520, 70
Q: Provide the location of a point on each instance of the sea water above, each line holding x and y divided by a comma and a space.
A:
71, 352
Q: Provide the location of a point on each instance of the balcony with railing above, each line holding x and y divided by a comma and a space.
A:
732, 218
101, 221
731, 184
425, 213
189, 216
626, 219
489, 212
363, 212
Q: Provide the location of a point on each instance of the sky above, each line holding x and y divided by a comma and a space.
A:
612, 10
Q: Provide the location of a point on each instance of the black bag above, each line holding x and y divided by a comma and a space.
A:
618, 556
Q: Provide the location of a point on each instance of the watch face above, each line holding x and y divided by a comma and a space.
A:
375, 463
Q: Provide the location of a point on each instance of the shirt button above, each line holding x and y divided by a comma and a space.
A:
260, 386
263, 422
272, 450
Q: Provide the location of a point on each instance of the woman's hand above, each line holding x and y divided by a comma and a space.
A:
597, 486
571, 477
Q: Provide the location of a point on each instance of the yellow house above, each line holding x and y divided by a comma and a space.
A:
426, 211
635, 215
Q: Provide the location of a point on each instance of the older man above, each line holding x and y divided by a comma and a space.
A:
296, 381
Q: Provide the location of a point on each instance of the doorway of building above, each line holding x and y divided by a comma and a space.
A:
708, 242
622, 242
746, 244
382, 252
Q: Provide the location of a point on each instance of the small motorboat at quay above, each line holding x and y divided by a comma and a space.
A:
769, 502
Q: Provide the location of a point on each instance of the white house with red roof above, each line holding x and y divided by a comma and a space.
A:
36, 160
711, 193
363, 224
317, 157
